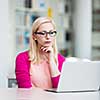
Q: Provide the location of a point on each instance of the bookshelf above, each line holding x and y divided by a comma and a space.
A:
64, 27
26, 11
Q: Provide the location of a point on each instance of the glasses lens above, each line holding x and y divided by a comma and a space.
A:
53, 33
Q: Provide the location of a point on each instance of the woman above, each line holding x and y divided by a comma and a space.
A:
41, 65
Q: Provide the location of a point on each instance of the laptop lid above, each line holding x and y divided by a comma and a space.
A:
79, 76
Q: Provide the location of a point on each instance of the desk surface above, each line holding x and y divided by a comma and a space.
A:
39, 94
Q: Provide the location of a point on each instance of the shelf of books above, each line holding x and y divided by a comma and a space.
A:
26, 11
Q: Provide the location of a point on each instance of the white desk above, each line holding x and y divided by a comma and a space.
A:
39, 94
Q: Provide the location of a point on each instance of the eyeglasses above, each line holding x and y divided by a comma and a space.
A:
44, 33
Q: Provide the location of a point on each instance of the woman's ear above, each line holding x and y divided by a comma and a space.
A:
34, 37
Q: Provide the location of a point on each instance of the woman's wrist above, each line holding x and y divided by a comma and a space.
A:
54, 68
55, 73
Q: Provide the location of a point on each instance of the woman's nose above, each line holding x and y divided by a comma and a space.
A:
47, 35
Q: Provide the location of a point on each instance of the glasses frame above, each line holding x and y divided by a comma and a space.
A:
44, 33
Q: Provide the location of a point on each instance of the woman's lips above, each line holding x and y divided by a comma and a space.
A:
47, 41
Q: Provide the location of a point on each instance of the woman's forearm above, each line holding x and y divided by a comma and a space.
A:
54, 68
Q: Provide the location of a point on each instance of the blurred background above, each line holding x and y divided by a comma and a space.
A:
78, 27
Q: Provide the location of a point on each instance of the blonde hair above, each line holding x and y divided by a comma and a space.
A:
34, 56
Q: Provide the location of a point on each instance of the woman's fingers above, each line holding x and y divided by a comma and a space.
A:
46, 49
43, 49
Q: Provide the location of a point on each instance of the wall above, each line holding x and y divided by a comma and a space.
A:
6, 43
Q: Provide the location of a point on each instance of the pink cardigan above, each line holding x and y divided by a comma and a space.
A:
22, 70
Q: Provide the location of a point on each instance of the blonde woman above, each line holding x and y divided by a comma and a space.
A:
41, 65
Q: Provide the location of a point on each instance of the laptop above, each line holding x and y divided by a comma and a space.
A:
80, 76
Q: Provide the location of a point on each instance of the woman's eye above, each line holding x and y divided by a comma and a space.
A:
51, 32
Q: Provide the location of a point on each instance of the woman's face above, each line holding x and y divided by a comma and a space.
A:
43, 36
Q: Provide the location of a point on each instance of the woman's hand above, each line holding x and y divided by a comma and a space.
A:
47, 53
47, 49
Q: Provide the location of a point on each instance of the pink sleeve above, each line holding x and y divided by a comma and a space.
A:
22, 71
55, 80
